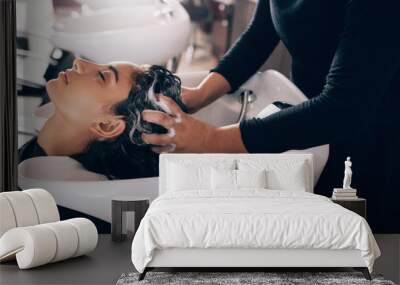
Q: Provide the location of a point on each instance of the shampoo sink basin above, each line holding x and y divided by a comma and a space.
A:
144, 33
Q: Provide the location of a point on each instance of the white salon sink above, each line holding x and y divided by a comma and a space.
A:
142, 33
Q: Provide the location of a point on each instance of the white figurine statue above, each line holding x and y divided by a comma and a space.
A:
347, 174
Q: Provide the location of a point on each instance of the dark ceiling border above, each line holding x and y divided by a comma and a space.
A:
8, 97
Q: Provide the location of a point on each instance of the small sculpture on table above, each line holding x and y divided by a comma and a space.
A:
348, 173
346, 192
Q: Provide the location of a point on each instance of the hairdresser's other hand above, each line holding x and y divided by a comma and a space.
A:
186, 133
193, 98
213, 86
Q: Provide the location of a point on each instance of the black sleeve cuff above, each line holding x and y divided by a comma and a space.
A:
256, 139
234, 86
271, 134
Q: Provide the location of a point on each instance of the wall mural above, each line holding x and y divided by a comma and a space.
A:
86, 71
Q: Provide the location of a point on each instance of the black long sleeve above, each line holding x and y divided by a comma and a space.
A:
365, 64
251, 50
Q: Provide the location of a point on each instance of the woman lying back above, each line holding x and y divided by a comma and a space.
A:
97, 118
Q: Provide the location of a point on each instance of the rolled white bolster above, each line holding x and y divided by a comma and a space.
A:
7, 216
45, 205
87, 234
23, 208
32, 246
67, 240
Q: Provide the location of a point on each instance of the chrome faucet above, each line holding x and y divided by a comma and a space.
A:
246, 96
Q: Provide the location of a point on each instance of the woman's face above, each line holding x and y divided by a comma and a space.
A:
86, 93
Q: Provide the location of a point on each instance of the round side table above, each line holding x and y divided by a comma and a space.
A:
122, 204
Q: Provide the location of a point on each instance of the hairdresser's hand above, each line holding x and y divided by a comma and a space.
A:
210, 89
193, 98
185, 133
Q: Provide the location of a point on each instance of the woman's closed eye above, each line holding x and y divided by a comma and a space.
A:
106, 75
102, 76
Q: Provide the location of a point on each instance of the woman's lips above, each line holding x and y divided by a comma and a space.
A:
64, 77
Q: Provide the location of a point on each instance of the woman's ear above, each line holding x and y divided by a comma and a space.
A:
108, 128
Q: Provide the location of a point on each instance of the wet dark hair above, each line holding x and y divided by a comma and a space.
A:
128, 156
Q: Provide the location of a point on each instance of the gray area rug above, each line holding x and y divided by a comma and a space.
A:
243, 278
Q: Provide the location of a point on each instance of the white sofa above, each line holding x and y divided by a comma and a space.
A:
31, 231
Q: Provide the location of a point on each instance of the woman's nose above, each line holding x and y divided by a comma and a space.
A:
83, 66
78, 65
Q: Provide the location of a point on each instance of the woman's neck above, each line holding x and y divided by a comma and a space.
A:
59, 137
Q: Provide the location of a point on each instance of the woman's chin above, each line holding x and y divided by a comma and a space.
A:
52, 88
